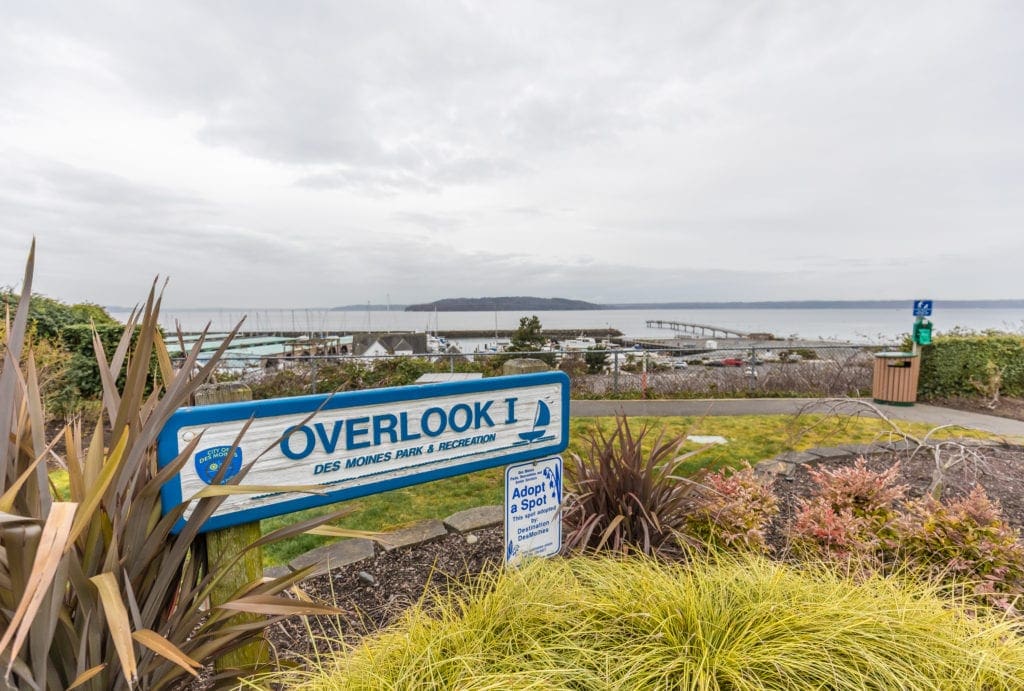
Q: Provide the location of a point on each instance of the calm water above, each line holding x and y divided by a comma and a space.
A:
859, 325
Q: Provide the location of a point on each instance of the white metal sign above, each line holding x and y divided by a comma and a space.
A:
533, 509
364, 442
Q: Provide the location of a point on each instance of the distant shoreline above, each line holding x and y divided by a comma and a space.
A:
779, 304
819, 304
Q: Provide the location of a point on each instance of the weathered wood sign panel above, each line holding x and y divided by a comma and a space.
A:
363, 442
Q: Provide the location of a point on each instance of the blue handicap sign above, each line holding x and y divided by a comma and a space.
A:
922, 308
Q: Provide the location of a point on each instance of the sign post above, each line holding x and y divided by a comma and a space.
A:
224, 544
922, 329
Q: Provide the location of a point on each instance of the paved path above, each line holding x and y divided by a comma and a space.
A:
787, 406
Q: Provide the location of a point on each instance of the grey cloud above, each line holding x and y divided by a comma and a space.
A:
106, 229
434, 223
372, 182
429, 174
705, 150
396, 90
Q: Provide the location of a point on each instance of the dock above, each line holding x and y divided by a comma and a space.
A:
702, 330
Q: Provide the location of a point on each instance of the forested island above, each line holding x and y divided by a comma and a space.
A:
503, 304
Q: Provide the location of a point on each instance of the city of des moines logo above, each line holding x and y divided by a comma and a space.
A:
210, 461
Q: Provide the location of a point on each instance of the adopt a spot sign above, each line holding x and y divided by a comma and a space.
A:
533, 509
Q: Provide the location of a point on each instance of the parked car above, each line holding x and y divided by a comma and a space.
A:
732, 362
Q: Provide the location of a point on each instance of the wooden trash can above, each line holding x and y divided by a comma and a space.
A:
895, 378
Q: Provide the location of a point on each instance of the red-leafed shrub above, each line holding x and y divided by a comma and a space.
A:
732, 510
859, 514
855, 513
967, 542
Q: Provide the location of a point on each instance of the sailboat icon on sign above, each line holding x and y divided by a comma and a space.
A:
541, 419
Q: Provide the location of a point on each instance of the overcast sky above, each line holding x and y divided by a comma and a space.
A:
303, 154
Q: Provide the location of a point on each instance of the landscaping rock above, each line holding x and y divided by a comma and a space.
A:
414, 534
775, 467
829, 452
276, 571
797, 457
475, 519
524, 365
900, 445
336, 554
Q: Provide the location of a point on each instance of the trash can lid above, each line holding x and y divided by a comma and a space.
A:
891, 354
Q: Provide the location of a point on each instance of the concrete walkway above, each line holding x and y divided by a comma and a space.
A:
928, 414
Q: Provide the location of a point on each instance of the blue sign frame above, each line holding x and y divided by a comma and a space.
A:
168, 443
922, 308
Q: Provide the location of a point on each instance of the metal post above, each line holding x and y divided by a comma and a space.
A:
752, 377
451, 362
643, 377
615, 371
313, 375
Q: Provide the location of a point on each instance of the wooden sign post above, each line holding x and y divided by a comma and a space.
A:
226, 543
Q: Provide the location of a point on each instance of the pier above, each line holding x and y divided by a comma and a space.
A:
701, 330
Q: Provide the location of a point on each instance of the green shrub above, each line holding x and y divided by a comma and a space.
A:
574, 366
50, 318
743, 623
732, 510
280, 384
955, 365
625, 499
596, 359
346, 375
63, 334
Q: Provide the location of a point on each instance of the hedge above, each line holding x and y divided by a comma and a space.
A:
957, 365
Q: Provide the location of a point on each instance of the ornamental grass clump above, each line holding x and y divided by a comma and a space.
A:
623, 494
717, 622
96, 593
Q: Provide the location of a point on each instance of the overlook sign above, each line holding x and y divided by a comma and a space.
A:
363, 442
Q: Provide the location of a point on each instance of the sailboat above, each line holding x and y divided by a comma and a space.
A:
541, 419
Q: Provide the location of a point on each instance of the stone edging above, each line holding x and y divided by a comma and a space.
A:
352, 550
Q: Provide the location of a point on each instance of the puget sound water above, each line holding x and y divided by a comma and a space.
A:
869, 326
